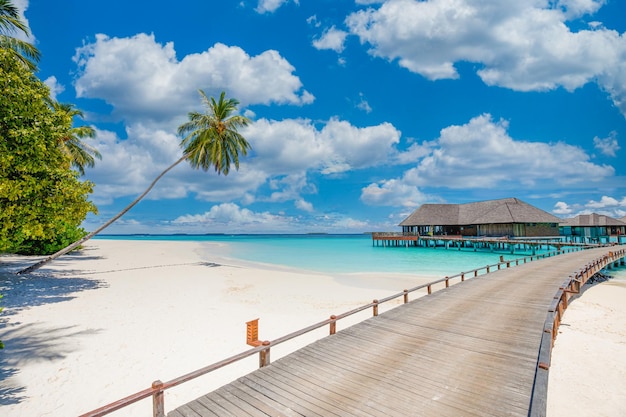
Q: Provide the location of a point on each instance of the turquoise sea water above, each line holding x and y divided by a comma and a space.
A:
342, 253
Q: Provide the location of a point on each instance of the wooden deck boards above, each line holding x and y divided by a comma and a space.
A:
469, 350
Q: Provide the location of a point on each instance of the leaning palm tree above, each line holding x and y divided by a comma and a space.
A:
210, 139
11, 23
72, 144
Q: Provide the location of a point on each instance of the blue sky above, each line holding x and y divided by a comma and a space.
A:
362, 110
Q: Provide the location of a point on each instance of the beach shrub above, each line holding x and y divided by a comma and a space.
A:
42, 200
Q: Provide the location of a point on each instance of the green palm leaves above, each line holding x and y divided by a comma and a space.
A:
211, 138
80, 154
10, 23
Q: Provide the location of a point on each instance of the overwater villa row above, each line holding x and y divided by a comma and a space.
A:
507, 219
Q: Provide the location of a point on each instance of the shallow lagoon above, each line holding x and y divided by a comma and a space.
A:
343, 253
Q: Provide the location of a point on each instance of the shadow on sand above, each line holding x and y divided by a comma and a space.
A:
33, 342
24, 291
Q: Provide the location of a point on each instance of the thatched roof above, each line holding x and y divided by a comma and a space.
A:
592, 220
508, 210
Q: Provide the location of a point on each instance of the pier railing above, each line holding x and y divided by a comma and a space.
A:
570, 288
157, 390
404, 238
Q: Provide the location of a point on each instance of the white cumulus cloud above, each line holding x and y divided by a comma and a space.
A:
129, 165
609, 145
270, 6
604, 202
143, 79
284, 155
523, 45
292, 145
54, 86
562, 208
332, 39
607, 205
231, 218
481, 155
393, 192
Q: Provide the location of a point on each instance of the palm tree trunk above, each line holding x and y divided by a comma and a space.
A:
101, 228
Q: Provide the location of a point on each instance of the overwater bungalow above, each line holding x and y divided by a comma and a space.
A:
508, 217
592, 228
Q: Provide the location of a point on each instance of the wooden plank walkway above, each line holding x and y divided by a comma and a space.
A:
468, 350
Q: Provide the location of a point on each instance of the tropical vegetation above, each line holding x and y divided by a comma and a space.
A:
81, 154
42, 200
11, 24
209, 139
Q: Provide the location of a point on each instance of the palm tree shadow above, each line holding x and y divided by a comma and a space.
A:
27, 343
25, 291
9, 394
31, 343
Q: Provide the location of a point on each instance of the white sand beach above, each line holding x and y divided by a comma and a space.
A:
97, 326
588, 369
101, 324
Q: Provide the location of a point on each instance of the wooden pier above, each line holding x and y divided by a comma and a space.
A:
511, 245
480, 347
473, 349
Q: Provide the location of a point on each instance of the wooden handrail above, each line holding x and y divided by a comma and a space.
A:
538, 399
158, 387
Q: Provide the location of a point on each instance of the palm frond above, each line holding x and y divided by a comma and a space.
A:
10, 20
211, 139
24, 51
11, 23
81, 154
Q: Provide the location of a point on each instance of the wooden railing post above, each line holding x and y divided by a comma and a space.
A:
375, 307
447, 282
406, 296
462, 276
158, 400
430, 291
333, 324
264, 355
